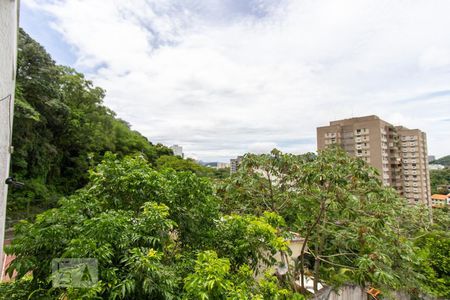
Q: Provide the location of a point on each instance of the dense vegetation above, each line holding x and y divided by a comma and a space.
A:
445, 161
61, 128
179, 164
440, 180
162, 227
156, 235
166, 234
357, 231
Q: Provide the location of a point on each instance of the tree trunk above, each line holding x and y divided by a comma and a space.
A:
316, 267
319, 247
302, 251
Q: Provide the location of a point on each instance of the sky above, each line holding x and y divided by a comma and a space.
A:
226, 77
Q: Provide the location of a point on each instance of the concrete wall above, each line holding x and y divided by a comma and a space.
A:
8, 52
345, 293
353, 292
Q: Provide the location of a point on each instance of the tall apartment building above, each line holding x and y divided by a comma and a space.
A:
399, 153
234, 164
416, 175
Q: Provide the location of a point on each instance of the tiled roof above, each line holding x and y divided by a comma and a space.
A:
439, 197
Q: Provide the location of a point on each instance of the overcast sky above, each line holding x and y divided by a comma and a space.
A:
224, 77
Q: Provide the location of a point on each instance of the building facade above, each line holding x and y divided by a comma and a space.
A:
440, 201
234, 164
436, 167
415, 171
399, 153
177, 150
9, 11
222, 165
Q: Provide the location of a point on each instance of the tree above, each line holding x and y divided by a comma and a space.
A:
353, 227
440, 180
214, 278
61, 129
145, 227
249, 239
435, 263
179, 164
264, 183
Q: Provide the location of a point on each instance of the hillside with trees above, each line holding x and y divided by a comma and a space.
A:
445, 161
61, 129
166, 234
161, 227
440, 180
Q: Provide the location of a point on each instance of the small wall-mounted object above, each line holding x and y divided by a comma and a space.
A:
14, 183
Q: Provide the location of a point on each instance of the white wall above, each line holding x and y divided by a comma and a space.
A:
8, 51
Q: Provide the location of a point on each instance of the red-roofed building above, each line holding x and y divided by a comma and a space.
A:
439, 200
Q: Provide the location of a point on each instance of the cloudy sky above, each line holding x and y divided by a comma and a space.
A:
224, 77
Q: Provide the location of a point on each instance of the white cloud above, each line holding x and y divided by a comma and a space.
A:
222, 78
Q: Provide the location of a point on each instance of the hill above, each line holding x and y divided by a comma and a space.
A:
445, 161
61, 129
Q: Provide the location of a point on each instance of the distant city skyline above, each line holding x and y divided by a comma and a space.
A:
223, 78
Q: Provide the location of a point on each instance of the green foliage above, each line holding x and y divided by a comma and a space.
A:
211, 279
248, 239
440, 180
61, 128
214, 279
16, 290
435, 263
179, 164
144, 228
445, 161
356, 230
441, 219
189, 165
358, 226
264, 183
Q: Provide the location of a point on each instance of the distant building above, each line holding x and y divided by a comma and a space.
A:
177, 150
436, 167
216, 165
234, 164
440, 201
431, 158
222, 165
399, 153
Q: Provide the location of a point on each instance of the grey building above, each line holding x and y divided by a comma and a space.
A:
234, 164
177, 150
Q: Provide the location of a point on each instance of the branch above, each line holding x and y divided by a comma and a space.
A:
338, 254
335, 264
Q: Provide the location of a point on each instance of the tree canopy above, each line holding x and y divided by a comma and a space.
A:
152, 232
166, 234
356, 230
179, 164
440, 180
